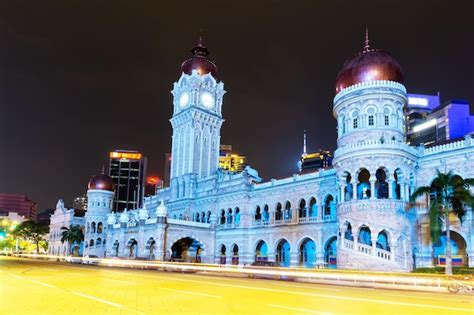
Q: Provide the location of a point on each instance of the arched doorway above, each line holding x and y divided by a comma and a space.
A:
363, 188
283, 253
307, 257
330, 252
261, 251
222, 255
151, 247
132, 245
115, 248
235, 254
458, 250
186, 250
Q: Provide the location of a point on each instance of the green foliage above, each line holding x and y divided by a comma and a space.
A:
451, 193
72, 235
33, 231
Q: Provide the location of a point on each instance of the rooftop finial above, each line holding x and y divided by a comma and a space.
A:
366, 44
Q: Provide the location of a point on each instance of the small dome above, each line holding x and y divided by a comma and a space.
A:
161, 210
101, 182
199, 61
369, 65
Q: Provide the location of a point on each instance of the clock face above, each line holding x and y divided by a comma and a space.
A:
207, 100
184, 100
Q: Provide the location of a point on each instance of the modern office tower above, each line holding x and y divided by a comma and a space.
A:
431, 122
315, 161
80, 203
128, 171
19, 204
230, 161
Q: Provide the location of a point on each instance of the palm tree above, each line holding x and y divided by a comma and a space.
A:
72, 235
451, 194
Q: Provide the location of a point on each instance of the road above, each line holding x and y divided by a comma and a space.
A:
42, 287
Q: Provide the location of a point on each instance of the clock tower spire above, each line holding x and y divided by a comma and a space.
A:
196, 122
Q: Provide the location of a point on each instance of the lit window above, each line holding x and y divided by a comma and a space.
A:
354, 123
371, 120
387, 122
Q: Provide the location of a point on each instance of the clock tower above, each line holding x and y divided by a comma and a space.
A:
197, 120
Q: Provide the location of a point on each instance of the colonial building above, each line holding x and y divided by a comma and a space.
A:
353, 215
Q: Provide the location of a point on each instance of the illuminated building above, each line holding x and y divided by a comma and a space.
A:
354, 215
80, 203
229, 161
152, 184
315, 161
128, 171
19, 204
430, 122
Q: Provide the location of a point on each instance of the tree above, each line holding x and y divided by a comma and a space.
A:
32, 231
451, 194
72, 235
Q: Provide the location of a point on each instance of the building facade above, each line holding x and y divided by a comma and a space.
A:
353, 215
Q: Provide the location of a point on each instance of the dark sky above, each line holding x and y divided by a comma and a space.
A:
81, 78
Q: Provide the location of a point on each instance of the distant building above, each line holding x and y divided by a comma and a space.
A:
45, 216
128, 171
166, 178
20, 204
230, 161
13, 217
152, 184
315, 161
80, 203
429, 122
321, 159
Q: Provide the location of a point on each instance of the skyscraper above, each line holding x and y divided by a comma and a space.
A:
128, 171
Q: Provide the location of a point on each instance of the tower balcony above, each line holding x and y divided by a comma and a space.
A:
379, 205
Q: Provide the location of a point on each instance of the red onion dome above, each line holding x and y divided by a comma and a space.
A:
369, 65
199, 61
101, 182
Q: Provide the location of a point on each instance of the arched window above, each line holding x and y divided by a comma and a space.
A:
302, 209
197, 217
266, 214
343, 125
278, 212
100, 227
222, 220
98, 242
288, 214
91, 243
365, 236
313, 207
229, 216
381, 184
208, 220
329, 206
382, 241
348, 233
93, 227
258, 214
203, 217
261, 251
237, 216
363, 188
235, 254
307, 253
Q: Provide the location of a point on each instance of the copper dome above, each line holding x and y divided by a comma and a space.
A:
369, 65
101, 182
199, 61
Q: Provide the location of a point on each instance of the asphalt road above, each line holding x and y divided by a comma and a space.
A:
40, 287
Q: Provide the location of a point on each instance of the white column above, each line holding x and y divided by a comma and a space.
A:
390, 188
343, 192
354, 190
372, 189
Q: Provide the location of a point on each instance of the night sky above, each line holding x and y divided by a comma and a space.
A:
81, 78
